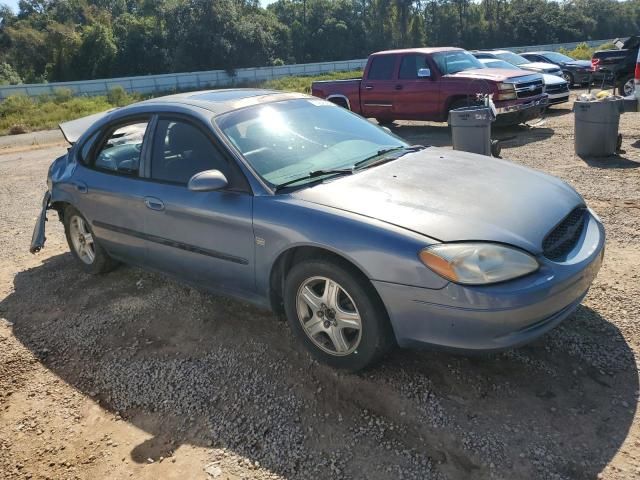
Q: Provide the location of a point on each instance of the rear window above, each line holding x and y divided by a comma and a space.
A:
382, 67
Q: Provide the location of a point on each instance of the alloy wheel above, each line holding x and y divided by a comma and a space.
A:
82, 240
329, 316
628, 88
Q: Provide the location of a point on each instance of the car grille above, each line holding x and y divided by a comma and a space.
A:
561, 240
561, 88
529, 89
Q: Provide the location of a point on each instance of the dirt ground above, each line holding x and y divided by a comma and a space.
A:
132, 375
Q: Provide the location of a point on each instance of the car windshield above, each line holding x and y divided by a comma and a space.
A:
493, 63
289, 140
456, 61
558, 57
512, 58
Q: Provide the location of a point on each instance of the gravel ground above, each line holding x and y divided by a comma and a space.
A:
131, 375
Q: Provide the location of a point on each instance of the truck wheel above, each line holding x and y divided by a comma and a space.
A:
496, 148
386, 122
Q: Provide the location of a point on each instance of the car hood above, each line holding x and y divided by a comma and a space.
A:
454, 196
552, 79
496, 74
540, 66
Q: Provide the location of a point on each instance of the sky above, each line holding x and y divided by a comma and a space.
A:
12, 3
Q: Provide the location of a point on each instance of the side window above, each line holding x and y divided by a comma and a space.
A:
382, 67
410, 65
180, 150
121, 150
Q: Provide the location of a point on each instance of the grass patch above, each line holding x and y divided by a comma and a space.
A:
303, 84
20, 114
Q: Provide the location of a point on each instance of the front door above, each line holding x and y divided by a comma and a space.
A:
203, 237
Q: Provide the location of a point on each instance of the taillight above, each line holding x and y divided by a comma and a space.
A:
637, 75
594, 63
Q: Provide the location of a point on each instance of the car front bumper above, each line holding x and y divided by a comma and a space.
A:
515, 113
38, 237
556, 98
495, 317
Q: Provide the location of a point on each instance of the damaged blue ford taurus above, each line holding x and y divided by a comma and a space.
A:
363, 241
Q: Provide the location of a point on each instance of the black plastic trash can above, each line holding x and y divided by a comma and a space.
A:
596, 127
471, 129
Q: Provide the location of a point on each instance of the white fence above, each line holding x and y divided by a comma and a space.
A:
182, 81
213, 78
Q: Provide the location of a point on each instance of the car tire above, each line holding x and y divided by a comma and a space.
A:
90, 255
322, 321
568, 76
385, 122
626, 86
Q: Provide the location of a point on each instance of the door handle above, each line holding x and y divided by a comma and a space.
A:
399, 87
81, 187
154, 203
368, 87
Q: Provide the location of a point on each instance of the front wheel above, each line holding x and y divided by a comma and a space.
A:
568, 77
336, 314
91, 257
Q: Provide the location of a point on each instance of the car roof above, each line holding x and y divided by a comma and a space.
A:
425, 50
222, 101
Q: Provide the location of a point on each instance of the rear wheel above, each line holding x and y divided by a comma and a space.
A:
91, 257
626, 86
336, 314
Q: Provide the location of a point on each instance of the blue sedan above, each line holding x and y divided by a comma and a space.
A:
363, 241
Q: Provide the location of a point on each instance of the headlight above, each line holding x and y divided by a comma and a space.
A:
506, 91
478, 263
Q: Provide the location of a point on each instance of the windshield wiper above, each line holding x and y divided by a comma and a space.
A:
382, 153
315, 174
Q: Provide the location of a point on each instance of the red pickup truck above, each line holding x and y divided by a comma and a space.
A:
425, 83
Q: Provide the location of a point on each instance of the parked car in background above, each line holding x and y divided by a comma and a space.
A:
518, 60
426, 83
557, 88
573, 71
300, 206
617, 67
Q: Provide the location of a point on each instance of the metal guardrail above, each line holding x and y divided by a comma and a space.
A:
213, 78
182, 81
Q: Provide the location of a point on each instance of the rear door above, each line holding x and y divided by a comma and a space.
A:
203, 237
416, 98
108, 187
378, 87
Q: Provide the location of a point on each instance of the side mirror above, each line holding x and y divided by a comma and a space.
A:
207, 181
424, 73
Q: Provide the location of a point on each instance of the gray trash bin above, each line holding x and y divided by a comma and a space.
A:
596, 127
471, 129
